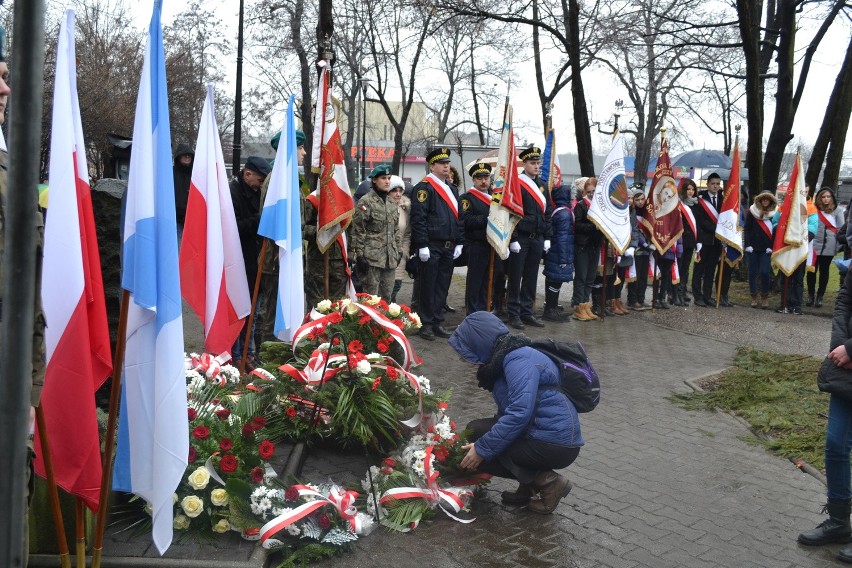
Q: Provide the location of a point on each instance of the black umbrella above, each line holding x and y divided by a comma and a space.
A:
703, 160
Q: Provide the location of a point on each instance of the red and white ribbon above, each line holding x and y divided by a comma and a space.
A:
211, 366
320, 368
341, 500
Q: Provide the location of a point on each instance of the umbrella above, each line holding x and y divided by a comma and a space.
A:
703, 159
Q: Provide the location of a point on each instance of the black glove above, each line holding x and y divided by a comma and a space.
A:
361, 264
412, 265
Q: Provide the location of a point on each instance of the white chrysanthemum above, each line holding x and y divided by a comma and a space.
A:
293, 529
375, 356
258, 492
394, 310
231, 373
195, 382
324, 306
265, 504
415, 319
363, 367
425, 386
255, 509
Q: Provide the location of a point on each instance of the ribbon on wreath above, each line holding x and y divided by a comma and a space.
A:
343, 501
313, 375
417, 419
211, 366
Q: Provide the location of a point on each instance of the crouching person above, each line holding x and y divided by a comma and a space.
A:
536, 429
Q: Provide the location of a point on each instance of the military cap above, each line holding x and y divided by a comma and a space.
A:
2, 42
438, 156
258, 165
531, 153
300, 139
380, 170
479, 169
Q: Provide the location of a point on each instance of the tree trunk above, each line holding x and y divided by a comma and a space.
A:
585, 153
782, 126
834, 127
749, 16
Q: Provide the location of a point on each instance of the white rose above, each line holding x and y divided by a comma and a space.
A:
374, 300
222, 526
219, 497
352, 309
199, 478
363, 367
324, 306
192, 506
345, 302
180, 523
394, 310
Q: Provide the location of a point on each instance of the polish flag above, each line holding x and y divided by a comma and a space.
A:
212, 269
77, 335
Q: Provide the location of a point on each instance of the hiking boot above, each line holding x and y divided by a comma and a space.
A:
551, 487
764, 301
587, 309
580, 313
810, 301
754, 302
553, 314
835, 528
622, 309
521, 496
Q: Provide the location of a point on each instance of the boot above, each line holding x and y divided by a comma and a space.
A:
553, 314
835, 528
588, 311
580, 313
810, 301
613, 307
397, 284
618, 308
845, 554
686, 297
818, 303
521, 496
764, 301
678, 297
552, 487
754, 302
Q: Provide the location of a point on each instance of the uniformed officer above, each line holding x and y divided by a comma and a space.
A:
476, 204
437, 235
530, 239
376, 237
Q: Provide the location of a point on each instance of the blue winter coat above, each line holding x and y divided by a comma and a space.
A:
559, 260
525, 407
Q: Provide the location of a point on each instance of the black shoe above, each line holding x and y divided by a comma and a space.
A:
517, 323
797, 311
699, 301
553, 314
427, 334
531, 320
449, 308
810, 301
784, 310
661, 305
725, 303
818, 303
439, 331
835, 529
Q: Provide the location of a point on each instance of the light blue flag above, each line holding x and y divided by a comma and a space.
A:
153, 438
281, 221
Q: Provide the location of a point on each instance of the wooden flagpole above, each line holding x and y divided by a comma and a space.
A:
80, 518
112, 421
250, 319
655, 285
50, 477
490, 281
603, 281
719, 283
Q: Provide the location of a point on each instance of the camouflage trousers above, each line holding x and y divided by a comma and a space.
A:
315, 283
267, 300
378, 281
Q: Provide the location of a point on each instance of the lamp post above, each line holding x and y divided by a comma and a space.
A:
619, 104
488, 117
238, 99
364, 83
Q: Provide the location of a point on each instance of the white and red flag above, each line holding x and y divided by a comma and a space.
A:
212, 268
790, 246
729, 227
77, 335
507, 206
661, 219
327, 159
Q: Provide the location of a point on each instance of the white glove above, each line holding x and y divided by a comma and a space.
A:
505, 256
769, 251
546, 245
423, 254
698, 246
515, 247
458, 251
630, 251
749, 249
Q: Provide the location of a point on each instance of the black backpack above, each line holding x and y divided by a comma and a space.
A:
578, 379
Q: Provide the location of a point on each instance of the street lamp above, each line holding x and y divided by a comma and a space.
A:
364, 82
488, 117
619, 104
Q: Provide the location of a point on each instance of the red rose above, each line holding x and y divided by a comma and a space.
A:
258, 422
390, 462
248, 430
324, 522
377, 332
225, 444
335, 318
257, 475
229, 463
223, 413
193, 455
216, 401
392, 373
291, 494
290, 412
201, 432
266, 449
355, 346
192, 414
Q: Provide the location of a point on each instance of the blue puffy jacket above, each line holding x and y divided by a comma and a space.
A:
525, 406
559, 260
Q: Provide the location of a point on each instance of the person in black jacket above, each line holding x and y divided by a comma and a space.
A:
838, 437
530, 238
704, 273
437, 235
688, 192
757, 238
476, 203
182, 171
587, 252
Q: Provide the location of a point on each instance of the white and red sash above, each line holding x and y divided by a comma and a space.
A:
827, 221
766, 225
709, 209
532, 188
445, 192
480, 195
588, 201
689, 217
558, 209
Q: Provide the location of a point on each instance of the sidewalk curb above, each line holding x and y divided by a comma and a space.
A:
257, 560
694, 384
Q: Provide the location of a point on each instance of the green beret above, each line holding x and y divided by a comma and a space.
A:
2, 43
300, 138
380, 170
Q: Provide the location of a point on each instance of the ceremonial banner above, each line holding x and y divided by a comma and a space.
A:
507, 205
551, 173
662, 219
729, 227
790, 246
327, 159
610, 209
77, 339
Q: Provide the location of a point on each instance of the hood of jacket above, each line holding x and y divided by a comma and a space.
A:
476, 335
183, 150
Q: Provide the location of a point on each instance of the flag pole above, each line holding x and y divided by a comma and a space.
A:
654, 284
80, 518
109, 442
719, 279
603, 281
250, 319
326, 278
55, 507
490, 281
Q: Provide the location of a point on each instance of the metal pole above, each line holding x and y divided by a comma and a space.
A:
19, 273
238, 100
363, 175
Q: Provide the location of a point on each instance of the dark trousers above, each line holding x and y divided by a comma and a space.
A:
683, 264
794, 284
636, 289
476, 285
823, 264
759, 266
705, 274
524, 458
498, 293
435, 276
665, 288
551, 293
523, 276
586, 260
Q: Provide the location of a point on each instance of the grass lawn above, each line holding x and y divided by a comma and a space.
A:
739, 294
777, 395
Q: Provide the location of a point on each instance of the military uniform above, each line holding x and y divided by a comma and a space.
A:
530, 233
376, 239
476, 205
437, 234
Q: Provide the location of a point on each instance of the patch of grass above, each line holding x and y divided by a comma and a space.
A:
739, 293
777, 395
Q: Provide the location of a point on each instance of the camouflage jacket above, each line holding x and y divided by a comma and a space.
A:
375, 231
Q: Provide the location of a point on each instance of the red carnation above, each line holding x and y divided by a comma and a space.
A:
192, 414
324, 522
383, 305
355, 346
335, 318
364, 320
248, 430
225, 444
291, 412
398, 323
229, 463
291, 494
257, 475
266, 449
392, 373
443, 405
259, 422
453, 425
193, 455
390, 462
441, 453
377, 332
335, 341
405, 308
313, 334
431, 429
382, 346
201, 432
376, 383
223, 413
